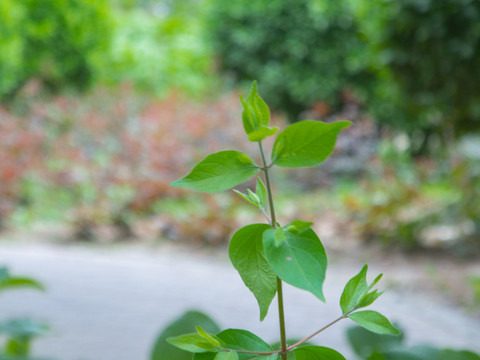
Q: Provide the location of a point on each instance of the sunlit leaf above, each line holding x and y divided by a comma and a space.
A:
374, 321
306, 143
227, 355
194, 343
247, 255
354, 290
317, 353
219, 171
300, 260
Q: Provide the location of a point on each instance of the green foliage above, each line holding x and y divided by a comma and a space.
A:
239, 340
374, 321
306, 143
300, 260
8, 281
194, 343
61, 42
20, 332
356, 292
219, 172
371, 346
426, 54
227, 355
302, 53
160, 52
184, 324
256, 116
248, 257
364, 342
266, 254
317, 353
414, 203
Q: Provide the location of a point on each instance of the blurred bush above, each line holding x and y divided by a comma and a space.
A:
20, 151
61, 42
104, 161
412, 203
158, 46
304, 53
426, 54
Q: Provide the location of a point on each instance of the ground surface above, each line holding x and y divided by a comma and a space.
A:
107, 303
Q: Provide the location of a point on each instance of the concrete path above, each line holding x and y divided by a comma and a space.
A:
109, 304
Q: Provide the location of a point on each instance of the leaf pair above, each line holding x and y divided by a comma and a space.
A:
258, 198
298, 259
306, 143
256, 116
231, 339
356, 295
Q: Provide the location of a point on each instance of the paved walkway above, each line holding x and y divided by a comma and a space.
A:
109, 304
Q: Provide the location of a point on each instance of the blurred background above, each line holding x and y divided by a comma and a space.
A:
104, 102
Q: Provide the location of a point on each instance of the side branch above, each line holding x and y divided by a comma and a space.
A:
291, 347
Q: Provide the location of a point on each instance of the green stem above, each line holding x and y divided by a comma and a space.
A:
281, 318
281, 310
268, 186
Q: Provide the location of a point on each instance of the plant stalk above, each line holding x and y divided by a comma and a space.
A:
281, 310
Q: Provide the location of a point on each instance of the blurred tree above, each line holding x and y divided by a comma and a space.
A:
301, 52
427, 54
61, 42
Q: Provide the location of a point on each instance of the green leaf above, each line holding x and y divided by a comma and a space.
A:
269, 357
306, 143
262, 132
227, 355
237, 339
298, 226
18, 348
186, 323
369, 298
364, 342
280, 236
20, 282
374, 282
202, 356
23, 328
374, 321
211, 339
248, 257
354, 290
194, 343
256, 116
219, 171
254, 197
448, 354
246, 197
262, 193
300, 260
317, 353
8, 281
425, 353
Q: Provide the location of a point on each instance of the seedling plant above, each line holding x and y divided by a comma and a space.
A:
268, 254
